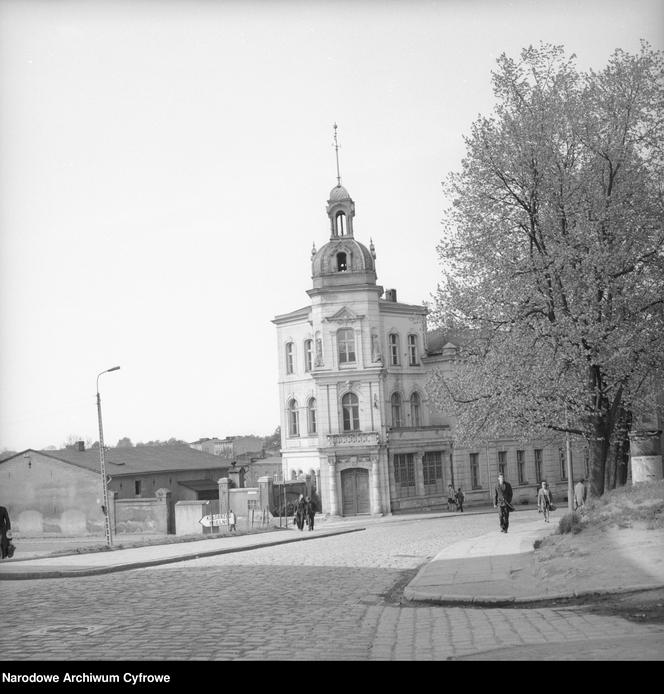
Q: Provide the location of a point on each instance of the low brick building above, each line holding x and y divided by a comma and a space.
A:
59, 492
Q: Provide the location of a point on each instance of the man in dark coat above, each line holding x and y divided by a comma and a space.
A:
309, 511
5, 527
300, 512
502, 499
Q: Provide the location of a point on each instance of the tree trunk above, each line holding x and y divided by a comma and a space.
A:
598, 450
611, 468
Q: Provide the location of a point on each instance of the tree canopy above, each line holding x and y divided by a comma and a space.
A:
552, 254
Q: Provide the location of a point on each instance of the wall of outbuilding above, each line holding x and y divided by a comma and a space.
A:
44, 495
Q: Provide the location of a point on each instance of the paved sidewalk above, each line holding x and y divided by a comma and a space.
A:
500, 569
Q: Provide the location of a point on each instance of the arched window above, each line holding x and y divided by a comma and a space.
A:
293, 419
290, 358
311, 415
394, 349
346, 343
415, 410
351, 412
375, 347
340, 221
308, 354
342, 264
396, 410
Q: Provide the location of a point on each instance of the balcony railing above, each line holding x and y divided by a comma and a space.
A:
353, 438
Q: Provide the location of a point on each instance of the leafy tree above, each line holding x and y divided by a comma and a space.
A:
125, 442
552, 255
273, 441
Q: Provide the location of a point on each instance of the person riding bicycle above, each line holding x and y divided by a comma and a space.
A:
544, 500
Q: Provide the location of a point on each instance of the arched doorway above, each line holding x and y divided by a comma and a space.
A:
355, 491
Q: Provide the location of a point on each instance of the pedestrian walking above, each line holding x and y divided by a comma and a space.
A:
580, 494
460, 496
6, 547
231, 521
502, 500
300, 512
310, 512
451, 498
545, 501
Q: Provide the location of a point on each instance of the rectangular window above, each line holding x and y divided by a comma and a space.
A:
308, 355
521, 466
475, 470
432, 469
538, 465
396, 410
289, 358
312, 416
346, 343
137, 487
412, 350
563, 463
394, 349
502, 462
404, 474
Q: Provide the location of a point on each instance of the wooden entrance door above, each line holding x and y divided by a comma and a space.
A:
355, 491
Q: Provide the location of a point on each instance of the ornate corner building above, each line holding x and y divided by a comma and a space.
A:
353, 365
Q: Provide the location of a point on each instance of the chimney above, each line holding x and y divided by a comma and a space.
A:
80, 445
390, 295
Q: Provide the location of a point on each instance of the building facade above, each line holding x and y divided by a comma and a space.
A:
60, 491
353, 367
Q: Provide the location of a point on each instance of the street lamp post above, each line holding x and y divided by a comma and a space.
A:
102, 464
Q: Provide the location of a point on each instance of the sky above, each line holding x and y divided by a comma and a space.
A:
164, 172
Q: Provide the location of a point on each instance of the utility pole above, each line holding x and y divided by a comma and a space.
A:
102, 466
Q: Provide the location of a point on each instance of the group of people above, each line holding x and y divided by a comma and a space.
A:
455, 499
502, 500
305, 510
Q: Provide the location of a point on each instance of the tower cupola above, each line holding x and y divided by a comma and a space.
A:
340, 207
342, 261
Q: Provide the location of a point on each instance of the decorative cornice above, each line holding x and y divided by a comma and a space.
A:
343, 315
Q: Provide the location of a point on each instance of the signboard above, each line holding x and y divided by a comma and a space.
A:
213, 520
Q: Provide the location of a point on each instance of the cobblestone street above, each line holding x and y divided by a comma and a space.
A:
334, 598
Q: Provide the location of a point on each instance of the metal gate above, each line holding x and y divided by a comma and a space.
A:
355, 491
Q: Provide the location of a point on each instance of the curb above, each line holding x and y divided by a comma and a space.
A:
95, 571
510, 600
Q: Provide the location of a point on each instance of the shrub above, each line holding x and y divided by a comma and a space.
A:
569, 523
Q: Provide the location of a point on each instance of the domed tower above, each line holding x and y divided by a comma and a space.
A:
342, 260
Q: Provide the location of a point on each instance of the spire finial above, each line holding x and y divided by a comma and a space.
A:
336, 149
